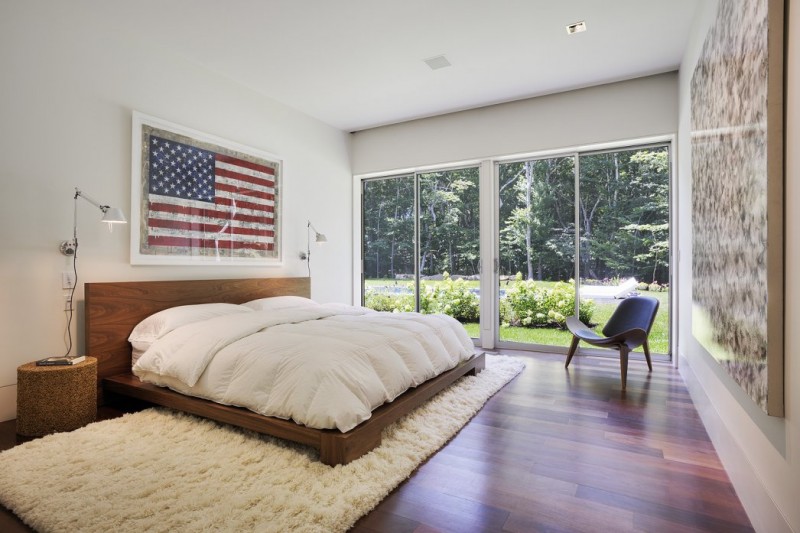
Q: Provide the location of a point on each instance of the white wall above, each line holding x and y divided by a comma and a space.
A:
621, 111
761, 454
69, 80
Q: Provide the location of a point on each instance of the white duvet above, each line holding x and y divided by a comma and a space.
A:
326, 366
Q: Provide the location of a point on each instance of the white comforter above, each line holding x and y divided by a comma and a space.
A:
327, 366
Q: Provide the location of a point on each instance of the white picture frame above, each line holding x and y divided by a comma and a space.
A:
198, 199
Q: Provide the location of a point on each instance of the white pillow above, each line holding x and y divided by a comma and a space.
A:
279, 302
137, 352
159, 324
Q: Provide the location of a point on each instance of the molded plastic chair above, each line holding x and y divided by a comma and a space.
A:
626, 330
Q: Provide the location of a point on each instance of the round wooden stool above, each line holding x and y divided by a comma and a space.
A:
56, 398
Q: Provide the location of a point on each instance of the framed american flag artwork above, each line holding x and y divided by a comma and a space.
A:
200, 200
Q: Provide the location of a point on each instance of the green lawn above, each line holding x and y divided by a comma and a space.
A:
548, 336
659, 335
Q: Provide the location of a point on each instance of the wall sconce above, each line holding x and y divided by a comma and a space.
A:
111, 216
319, 238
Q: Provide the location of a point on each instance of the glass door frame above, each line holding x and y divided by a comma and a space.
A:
576, 153
489, 234
495, 281
358, 223
360, 286
670, 146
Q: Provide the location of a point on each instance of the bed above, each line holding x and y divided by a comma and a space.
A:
113, 309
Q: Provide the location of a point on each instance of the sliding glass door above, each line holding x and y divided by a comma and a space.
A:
573, 233
619, 201
420, 244
536, 201
388, 258
623, 211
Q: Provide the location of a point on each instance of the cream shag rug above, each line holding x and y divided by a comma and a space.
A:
157, 470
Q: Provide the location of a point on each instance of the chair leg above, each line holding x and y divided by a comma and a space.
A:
647, 355
572, 349
623, 364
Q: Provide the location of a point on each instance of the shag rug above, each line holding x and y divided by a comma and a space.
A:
157, 470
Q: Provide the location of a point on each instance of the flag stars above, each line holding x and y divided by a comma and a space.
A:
183, 171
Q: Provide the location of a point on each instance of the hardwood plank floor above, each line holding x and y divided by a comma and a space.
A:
566, 450
562, 450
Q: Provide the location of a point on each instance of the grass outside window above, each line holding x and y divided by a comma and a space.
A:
659, 334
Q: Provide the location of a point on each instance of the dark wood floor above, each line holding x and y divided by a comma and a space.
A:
561, 451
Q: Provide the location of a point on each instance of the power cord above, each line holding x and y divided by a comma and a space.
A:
71, 309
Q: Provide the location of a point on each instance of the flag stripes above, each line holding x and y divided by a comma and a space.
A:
204, 202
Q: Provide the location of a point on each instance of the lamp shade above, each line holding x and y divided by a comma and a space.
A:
320, 238
114, 215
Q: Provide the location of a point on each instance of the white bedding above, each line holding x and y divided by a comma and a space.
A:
323, 366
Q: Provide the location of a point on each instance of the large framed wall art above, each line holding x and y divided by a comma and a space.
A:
197, 199
737, 197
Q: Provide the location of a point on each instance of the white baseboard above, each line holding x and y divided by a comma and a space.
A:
8, 403
764, 514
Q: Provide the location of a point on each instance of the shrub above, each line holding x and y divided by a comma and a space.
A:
525, 303
585, 311
393, 303
529, 305
451, 297
642, 286
654, 287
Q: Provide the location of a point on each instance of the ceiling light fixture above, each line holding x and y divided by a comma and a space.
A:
577, 27
437, 62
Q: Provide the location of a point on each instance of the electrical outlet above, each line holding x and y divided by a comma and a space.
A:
67, 279
67, 302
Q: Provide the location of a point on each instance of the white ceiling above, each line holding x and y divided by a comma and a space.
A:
355, 64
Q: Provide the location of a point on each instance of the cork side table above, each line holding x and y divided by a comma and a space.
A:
56, 398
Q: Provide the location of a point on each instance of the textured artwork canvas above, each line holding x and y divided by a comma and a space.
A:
737, 188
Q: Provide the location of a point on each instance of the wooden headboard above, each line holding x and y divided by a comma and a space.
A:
113, 309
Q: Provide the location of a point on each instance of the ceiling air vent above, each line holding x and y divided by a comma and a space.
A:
437, 62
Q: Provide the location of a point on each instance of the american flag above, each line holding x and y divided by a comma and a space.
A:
208, 203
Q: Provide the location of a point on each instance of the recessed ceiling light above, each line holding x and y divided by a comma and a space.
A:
577, 27
437, 62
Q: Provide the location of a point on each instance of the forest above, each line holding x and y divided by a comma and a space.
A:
622, 211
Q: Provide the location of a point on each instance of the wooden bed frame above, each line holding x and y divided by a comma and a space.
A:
113, 309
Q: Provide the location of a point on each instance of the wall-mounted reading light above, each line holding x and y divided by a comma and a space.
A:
111, 216
319, 238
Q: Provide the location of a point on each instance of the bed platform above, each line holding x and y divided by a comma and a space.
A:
113, 309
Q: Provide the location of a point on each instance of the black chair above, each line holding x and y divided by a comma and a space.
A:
626, 330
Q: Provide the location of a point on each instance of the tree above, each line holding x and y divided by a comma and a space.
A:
623, 211
618, 191
388, 215
536, 199
449, 222
622, 194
